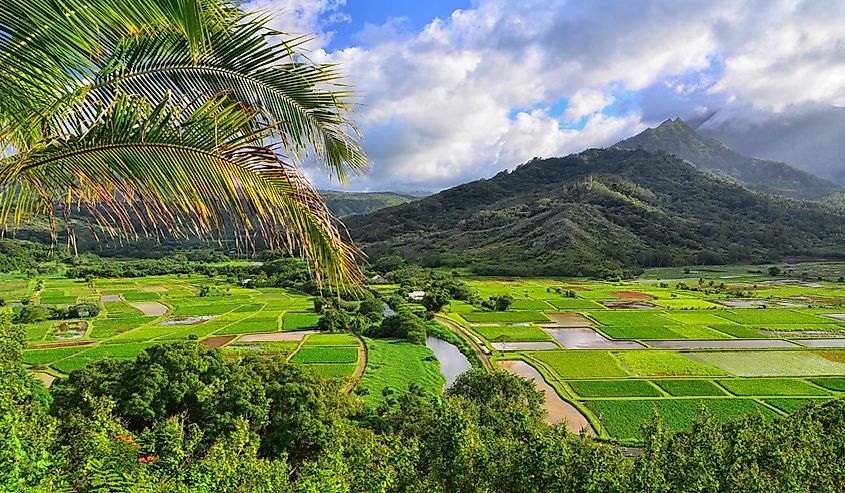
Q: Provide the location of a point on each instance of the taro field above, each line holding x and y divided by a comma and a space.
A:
731, 341
138, 313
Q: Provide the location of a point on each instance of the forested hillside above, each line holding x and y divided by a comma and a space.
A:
347, 203
596, 213
680, 139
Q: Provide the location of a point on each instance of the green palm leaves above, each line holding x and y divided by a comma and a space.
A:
177, 116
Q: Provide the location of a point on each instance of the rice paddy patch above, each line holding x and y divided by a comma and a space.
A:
684, 303
505, 317
834, 384
97, 353
614, 388
770, 363
49, 355
690, 387
790, 405
656, 363
330, 340
770, 387
299, 321
579, 363
630, 318
529, 304
639, 332
696, 318
510, 333
104, 328
327, 354
623, 419
574, 304
770, 316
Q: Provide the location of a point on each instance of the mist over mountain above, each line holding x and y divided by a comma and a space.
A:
677, 137
811, 138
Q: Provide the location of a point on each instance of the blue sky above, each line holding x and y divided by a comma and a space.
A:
452, 91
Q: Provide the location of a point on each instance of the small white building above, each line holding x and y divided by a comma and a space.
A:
416, 295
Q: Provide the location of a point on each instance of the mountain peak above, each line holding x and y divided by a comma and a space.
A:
675, 136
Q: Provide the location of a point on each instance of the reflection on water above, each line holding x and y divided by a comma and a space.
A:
452, 361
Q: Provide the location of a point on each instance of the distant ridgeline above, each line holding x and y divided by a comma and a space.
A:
602, 212
90, 239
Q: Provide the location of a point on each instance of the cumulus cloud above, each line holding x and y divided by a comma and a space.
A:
472, 94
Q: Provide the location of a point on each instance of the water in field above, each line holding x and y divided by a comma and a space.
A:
558, 409
584, 338
188, 320
724, 344
452, 361
823, 342
523, 346
110, 297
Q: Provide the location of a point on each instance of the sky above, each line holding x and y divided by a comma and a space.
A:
453, 91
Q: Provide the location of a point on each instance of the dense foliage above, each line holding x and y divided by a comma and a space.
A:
599, 213
183, 418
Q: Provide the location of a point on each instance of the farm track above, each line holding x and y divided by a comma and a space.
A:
362, 363
454, 327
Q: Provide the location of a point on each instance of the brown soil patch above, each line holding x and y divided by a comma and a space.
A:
59, 344
830, 301
632, 295
150, 308
558, 409
218, 341
277, 336
568, 320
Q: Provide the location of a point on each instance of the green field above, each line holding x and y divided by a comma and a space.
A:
394, 365
689, 387
647, 363
580, 364
770, 386
509, 333
505, 317
614, 388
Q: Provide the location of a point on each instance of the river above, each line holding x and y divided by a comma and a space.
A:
452, 361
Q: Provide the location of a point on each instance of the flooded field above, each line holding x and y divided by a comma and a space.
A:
189, 320
150, 308
558, 409
110, 297
823, 342
585, 338
452, 361
725, 344
519, 346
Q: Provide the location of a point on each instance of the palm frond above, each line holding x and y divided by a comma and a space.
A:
141, 167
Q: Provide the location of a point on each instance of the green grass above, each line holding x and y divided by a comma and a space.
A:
698, 332
623, 419
505, 317
263, 348
248, 308
251, 325
614, 388
770, 363
835, 384
739, 331
684, 303
655, 363
139, 296
330, 340
396, 364
506, 333
298, 321
689, 387
580, 363
790, 405
57, 299
328, 354
769, 387
49, 355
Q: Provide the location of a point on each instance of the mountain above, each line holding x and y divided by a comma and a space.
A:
678, 138
810, 137
599, 212
347, 203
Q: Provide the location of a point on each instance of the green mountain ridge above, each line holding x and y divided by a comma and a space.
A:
343, 204
678, 138
599, 212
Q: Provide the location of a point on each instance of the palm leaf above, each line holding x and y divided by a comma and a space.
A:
141, 168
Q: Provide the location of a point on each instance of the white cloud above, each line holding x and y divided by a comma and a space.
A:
300, 17
441, 106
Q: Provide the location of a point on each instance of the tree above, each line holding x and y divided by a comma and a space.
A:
435, 299
333, 320
774, 271
155, 117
